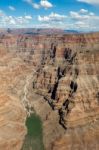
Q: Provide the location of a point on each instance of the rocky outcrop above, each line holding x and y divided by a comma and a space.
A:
58, 77
69, 82
13, 75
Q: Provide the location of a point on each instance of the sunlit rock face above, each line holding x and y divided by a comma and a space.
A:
57, 75
13, 74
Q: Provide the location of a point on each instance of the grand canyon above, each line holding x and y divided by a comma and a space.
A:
55, 76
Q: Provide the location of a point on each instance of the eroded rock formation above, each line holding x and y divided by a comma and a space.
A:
58, 77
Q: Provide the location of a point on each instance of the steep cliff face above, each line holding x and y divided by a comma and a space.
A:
69, 82
13, 76
62, 72
69, 77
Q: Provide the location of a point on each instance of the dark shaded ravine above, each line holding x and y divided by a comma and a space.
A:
34, 138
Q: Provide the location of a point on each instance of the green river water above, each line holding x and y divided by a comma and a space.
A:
34, 138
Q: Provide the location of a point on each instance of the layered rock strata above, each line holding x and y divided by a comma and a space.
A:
57, 76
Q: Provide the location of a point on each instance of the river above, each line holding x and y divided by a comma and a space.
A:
34, 137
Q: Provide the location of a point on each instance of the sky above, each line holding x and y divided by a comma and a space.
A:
81, 15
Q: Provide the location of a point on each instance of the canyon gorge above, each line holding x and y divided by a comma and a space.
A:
55, 76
